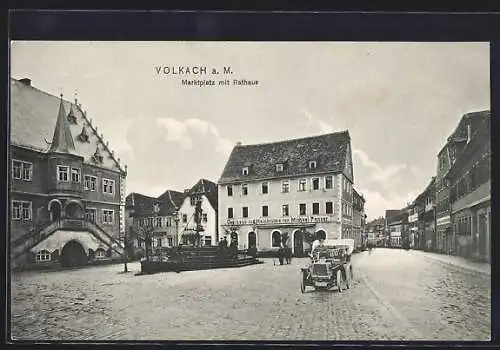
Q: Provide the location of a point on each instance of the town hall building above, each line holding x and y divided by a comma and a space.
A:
66, 185
297, 188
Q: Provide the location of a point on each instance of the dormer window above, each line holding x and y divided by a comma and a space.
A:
71, 117
244, 171
97, 156
156, 208
279, 167
312, 164
84, 136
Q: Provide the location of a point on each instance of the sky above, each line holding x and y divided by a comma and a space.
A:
399, 101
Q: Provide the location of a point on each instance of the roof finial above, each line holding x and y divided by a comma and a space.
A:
76, 96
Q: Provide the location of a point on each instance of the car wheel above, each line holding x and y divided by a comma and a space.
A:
339, 281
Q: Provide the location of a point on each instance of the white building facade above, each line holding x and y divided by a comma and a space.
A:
296, 187
206, 191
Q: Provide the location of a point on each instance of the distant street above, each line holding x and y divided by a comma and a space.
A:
398, 295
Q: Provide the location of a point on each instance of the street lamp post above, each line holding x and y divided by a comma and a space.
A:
176, 219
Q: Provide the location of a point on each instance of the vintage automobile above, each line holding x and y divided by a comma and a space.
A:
330, 266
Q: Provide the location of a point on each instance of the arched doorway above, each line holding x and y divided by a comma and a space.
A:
55, 210
276, 239
73, 254
252, 240
74, 210
298, 243
321, 234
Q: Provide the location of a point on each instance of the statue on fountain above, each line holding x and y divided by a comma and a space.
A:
198, 213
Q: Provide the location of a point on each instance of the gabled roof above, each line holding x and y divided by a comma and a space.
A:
168, 202
429, 188
142, 205
37, 123
209, 189
329, 151
460, 133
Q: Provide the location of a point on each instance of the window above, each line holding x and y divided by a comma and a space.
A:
245, 212
90, 214
158, 222
22, 170
265, 211
169, 222
75, 175
265, 187
302, 209
107, 216
193, 200
244, 189
158, 242
229, 213
315, 208
244, 171
204, 217
312, 164
27, 171
62, 173
329, 182
170, 241
329, 208
284, 210
184, 218
90, 182
302, 184
229, 190
276, 239
100, 253
17, 169
279, 167
315, 183
43, 255
285, 186
21, 210
108, 186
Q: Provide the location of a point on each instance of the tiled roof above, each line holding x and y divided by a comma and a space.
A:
174, 197
329, 151
429, 187
143, 205
34, 115
209, 189
474, 118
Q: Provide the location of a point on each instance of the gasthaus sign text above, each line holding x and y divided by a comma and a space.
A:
280, 221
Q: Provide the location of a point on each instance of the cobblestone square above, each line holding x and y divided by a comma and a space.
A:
398, 295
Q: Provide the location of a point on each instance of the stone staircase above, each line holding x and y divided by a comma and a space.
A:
32, 238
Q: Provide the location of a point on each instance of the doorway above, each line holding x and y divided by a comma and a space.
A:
252, 240
73, 254
298, 243
55, 210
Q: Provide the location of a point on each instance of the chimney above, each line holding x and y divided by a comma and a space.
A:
468, 133
26, 81
239, 143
